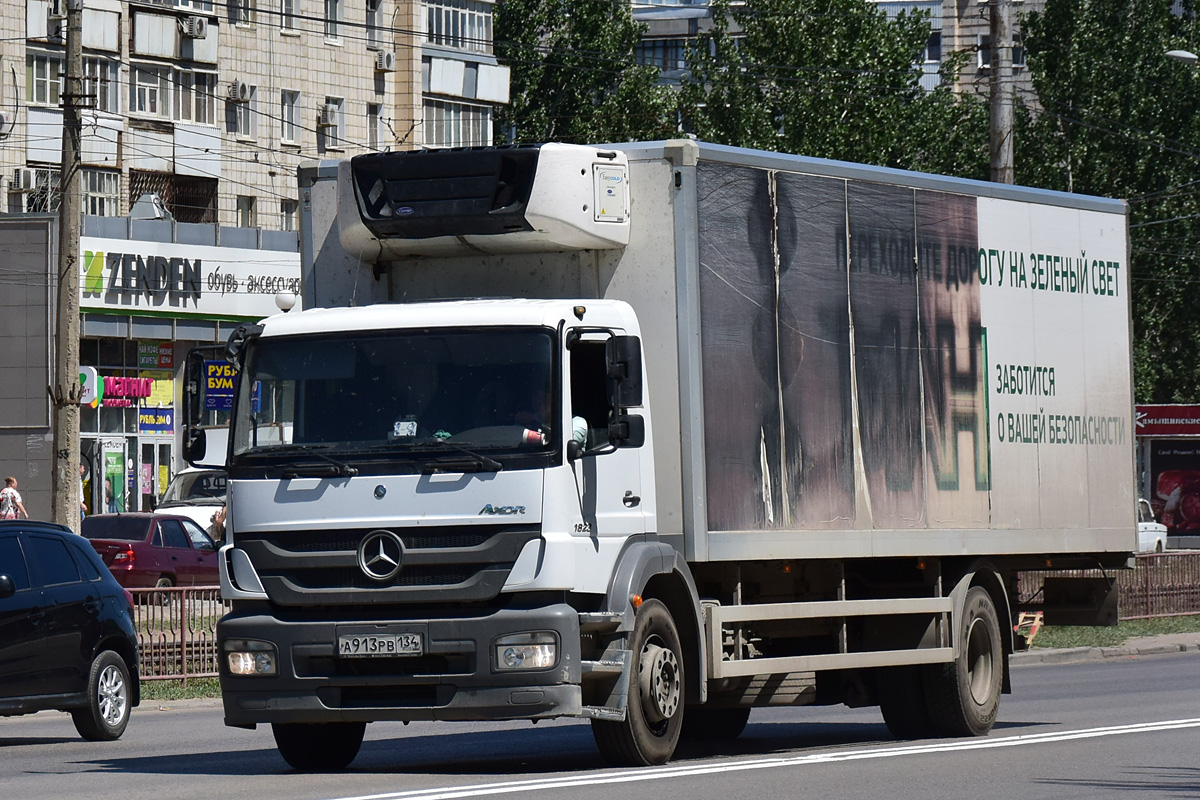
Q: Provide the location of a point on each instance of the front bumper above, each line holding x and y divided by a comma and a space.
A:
454, 679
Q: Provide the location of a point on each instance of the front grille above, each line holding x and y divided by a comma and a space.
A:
450, 564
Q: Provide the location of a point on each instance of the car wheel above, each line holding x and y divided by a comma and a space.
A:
163, 599
107, 712
318, 747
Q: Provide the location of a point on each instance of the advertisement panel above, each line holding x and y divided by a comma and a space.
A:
183, 280
881, 357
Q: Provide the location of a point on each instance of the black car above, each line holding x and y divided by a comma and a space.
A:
67, 639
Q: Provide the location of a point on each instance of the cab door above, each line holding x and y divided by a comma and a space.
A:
22, 626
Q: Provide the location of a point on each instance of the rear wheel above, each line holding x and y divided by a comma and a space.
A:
964, 695
163, 598
654, 712
317, 747
107, 712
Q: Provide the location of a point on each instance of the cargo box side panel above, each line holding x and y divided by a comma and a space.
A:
887, 363
1057, 331
958, 480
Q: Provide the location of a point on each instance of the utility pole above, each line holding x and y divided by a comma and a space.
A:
1001, 91
66, 389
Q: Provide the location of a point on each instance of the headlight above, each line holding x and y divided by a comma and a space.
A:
250, 657
537, 650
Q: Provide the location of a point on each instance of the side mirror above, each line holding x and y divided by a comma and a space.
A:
7, 587
627, 430
194, 445
574, 450
623, 355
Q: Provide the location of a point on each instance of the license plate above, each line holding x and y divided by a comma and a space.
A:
375, 644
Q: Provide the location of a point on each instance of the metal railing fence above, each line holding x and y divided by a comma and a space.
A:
177, 628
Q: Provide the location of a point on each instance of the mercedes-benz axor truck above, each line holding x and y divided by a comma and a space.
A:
654, 434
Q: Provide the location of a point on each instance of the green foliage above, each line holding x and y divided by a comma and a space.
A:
160, 691
574, 78
834, 79
1113, 116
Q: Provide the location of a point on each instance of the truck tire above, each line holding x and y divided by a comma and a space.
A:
654, 712
318, 747
703, 724
902, 701
964, 695
106, 715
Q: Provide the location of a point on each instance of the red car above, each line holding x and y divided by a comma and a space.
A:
153, 550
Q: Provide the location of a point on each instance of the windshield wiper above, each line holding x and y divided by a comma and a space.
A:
332, 467
468, 461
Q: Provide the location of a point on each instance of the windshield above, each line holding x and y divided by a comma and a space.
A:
375, 394
190, 487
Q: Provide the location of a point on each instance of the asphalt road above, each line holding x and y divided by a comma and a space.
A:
1091, 730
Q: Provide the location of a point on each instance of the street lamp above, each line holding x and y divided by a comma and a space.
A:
1186, 56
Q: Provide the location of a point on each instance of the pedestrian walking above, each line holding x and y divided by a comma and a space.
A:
11, 506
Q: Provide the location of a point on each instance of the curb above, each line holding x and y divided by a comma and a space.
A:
1073, 655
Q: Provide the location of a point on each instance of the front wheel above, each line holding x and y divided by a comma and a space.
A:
318, 747
654, 712
107, 712
964, 695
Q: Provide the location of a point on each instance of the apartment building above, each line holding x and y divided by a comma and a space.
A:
211, 106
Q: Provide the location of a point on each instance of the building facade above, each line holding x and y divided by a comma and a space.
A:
199, 114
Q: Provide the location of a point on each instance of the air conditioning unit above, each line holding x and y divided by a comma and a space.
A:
6, 123
195, 27
385, 61
239, 92
22, 180
56, 9
328, 117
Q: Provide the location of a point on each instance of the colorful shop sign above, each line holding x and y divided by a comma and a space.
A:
156, 355
218, 385
183, 280
156, 420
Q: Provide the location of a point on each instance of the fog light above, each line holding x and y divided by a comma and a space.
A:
526, 651
250, 657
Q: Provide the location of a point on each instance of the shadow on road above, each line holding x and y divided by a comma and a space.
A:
536, 750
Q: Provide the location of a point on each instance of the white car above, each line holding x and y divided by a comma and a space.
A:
195, 493
1152, 535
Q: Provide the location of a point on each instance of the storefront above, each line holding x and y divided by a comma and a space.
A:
150, 290
145, 304
1168, 460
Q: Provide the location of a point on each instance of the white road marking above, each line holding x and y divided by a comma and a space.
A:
691, 770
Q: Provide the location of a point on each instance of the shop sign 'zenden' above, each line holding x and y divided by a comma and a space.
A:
121, 275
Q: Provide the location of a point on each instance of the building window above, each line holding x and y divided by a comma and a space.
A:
189, 199
374, 23
985, 50
101, 193
289, 105
331, 124
666, 54
246, 115
287, 214
45, 191
465, 24
195, 99
333, 19
245, 212
102, 81
1018, 51
456, 124
287, 15
44, 79
373, 137
242, 12
933, 48
151, 91
195, 5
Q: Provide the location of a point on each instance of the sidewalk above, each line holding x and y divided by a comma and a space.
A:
1137, 646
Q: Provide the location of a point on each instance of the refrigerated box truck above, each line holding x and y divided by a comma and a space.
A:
653, 434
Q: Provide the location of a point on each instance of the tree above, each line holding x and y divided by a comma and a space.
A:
834, 79
1115, 117
574, 76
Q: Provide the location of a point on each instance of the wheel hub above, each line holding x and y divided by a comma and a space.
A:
659, 683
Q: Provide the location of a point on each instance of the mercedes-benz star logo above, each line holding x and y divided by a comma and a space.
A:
380, 555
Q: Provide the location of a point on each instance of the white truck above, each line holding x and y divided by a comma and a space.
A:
655, 433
